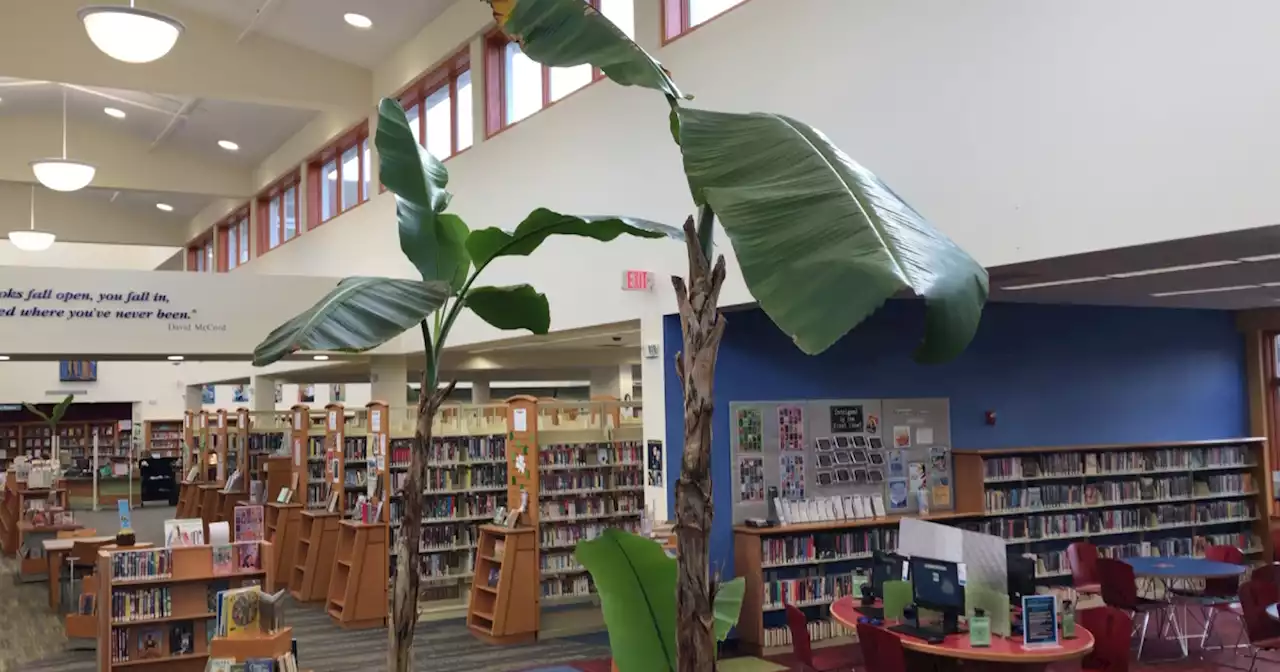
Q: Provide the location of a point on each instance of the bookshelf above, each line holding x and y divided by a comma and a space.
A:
163, 438
318, 531
267, 440
281, 520
589, 461
1168, 499
233, 431
162, 605
504, 598
1188, 501
188, 491
466, 482
20, 533
357, 591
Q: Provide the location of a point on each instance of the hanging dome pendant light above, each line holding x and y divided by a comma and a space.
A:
63, 174
31, 240
129, 34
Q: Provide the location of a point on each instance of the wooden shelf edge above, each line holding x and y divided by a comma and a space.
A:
1108, 447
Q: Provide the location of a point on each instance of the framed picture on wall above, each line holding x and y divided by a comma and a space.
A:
208, 394
307, 394
240, 394
77, 370
337, 393
279, 392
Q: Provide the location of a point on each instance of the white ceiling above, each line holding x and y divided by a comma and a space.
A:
185, 206
318, 25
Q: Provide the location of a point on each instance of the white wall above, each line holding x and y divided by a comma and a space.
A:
1023, 130
91, 255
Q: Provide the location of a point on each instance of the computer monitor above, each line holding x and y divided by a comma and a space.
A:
1021, 577
885, 567
935, 584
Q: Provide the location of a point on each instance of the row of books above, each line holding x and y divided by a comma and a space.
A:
400, 451
462, 505
449, 536
591, 454
814, 586
576, 585
266, 443
355, 449
818, 631
467, 449
248, 612
316, 447
285, 663
141, 604
559, 562
153, 563
1127, 461
776, 550
569, 534
1114, 520
1226, 508
436, 565
458, 477
602, 505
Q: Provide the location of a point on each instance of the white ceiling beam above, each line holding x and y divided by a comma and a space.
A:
86, 218
44, 40
123, 161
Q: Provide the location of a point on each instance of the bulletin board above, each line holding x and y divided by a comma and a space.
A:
819, 448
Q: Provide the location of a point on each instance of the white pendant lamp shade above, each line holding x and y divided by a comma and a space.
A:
63, 174
32, 240
129, 34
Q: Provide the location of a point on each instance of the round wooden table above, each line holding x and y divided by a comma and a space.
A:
1003, 654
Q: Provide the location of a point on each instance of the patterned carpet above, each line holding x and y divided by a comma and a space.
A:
27, 630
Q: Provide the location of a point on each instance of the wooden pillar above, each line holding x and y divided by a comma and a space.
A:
299, 426
202, 445
241, 447
219, 434
376, 450
522, 441
335, 422
188, 441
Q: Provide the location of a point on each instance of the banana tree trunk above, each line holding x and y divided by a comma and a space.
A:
703, 329
404, 600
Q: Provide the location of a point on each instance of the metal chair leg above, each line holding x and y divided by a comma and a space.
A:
1142, 640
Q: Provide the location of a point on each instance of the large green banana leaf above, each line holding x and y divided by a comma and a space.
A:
572, 32
511, 307
55, 415
358, 314
822, 242
636, 581
486, 244
432, 240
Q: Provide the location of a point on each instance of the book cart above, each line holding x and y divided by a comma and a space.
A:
1167, 499
152, 602
359, 576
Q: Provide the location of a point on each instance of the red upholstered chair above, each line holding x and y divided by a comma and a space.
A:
1263, 632
830, 659
1111, 629
1266, 573
1120, 590
1083, 558
881, 649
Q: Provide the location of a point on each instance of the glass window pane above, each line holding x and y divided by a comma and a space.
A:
273, 223
439, 123
350, 178
411, 115
565, 81
290, 213
328, 188
244, 240
622, 13
465, 110
701, 11
208, 256
233, 247
368, 168
524, 84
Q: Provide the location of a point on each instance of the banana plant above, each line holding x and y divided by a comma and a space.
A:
52, 418
365, 312
822, 243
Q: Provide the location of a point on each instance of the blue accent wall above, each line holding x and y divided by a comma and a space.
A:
1054, 375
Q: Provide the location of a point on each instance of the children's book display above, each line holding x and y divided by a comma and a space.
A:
183, 532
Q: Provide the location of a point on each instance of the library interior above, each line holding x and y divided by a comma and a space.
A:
817, 335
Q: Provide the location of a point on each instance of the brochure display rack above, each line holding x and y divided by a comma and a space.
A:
155, 607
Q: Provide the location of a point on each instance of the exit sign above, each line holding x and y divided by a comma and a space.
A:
637, 281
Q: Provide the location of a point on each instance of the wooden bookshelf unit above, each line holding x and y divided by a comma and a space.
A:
188, 586
357, 597
163, 438
504, 606
282, 525
313, 562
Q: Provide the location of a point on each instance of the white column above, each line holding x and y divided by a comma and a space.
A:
479, 391
262, 396
614, 381
389, 382
193, 399
652, 376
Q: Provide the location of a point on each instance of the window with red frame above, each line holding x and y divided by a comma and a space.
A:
518, 87
234, 238
340, 176
439, 107
681, 16
200, 256
278, 214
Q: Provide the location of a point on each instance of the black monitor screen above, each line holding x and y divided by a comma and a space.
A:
935, 584
1022, 577
885, 567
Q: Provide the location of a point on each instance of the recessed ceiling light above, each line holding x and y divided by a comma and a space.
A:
357, 20
1175, 269
320, 358
228, 145
1055, 283
4, 358
114, 112
1209, 290
1261, 257
164, 206
175, 358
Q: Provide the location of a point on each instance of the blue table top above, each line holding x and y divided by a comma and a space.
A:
1197, 568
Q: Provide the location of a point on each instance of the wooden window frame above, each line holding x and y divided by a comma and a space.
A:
263, 203
495, 82
675, 19
230, 224
356, 137
444, 74
198, 252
